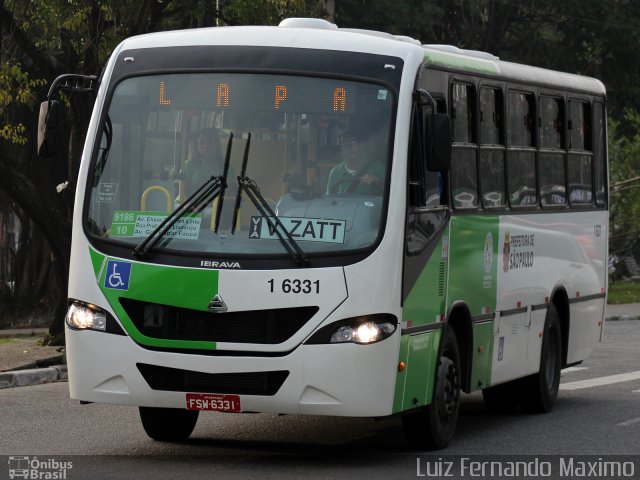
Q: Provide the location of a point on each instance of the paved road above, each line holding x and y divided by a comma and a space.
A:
598, 420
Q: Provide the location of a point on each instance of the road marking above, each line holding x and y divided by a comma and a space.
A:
600, 381
630, 422
574, 369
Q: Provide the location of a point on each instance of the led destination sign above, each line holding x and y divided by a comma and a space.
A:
252, 92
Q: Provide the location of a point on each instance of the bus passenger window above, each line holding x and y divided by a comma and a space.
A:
551, 123
463, 113
579, 125
521, 115
552, 189
522, 179
464, 179
464, 168
598, 154
521, 157
492, 148
491, 125
580, 184
552, 154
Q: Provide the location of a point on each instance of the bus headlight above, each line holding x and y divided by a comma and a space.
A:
82, 317
363, 330
367, 332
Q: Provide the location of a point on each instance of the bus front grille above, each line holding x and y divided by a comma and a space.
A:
177, 380
254, 326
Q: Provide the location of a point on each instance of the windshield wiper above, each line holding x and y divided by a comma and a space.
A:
275, 224
208, 191
223, 187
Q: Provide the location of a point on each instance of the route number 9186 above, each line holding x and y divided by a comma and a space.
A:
294, 286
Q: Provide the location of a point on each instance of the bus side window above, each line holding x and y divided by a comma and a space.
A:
552, 154
425, 187
464, 168
492, 148
599, 160
580, 155
521, 155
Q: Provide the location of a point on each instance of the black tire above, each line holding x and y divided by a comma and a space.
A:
504, 398
168, 424
432, 427
540, 391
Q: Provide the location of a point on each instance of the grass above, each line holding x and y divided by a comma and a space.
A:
624, 292
4, 341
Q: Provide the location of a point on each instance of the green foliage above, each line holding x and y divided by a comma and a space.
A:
624, 181
267, 12
16, 88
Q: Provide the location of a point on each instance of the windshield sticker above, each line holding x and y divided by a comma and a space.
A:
309, 229
107, 192
141, 224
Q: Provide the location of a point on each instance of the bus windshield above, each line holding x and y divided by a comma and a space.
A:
318, 154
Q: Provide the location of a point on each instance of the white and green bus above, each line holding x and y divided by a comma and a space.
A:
380, 226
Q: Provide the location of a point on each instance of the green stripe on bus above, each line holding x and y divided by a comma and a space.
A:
473, 262
414, 385
424, 305
482, 355
180, 287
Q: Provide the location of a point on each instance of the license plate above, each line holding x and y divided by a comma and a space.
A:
213, 401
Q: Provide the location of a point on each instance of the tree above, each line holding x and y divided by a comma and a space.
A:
624, 179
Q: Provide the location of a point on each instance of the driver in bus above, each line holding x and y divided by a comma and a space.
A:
356, 173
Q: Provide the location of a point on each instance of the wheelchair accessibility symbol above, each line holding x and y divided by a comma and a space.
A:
117, 276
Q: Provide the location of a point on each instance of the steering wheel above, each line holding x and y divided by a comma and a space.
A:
350, 181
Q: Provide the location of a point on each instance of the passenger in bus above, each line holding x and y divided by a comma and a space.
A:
356, 173
206, 161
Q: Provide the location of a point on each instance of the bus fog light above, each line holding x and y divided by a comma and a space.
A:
83, 317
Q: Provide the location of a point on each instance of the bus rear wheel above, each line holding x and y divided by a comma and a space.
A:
168, 424
432, 427
540, 391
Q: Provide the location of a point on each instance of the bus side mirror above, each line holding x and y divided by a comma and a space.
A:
48, 123
437, 142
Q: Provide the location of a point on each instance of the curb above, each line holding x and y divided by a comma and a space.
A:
33, 376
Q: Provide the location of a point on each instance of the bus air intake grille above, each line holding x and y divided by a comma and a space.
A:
254, 326
177, 380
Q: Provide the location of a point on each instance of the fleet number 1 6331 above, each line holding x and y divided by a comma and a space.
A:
295, 285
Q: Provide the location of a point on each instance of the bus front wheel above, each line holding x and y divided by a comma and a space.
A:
168, 424
433, 426
541, 390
